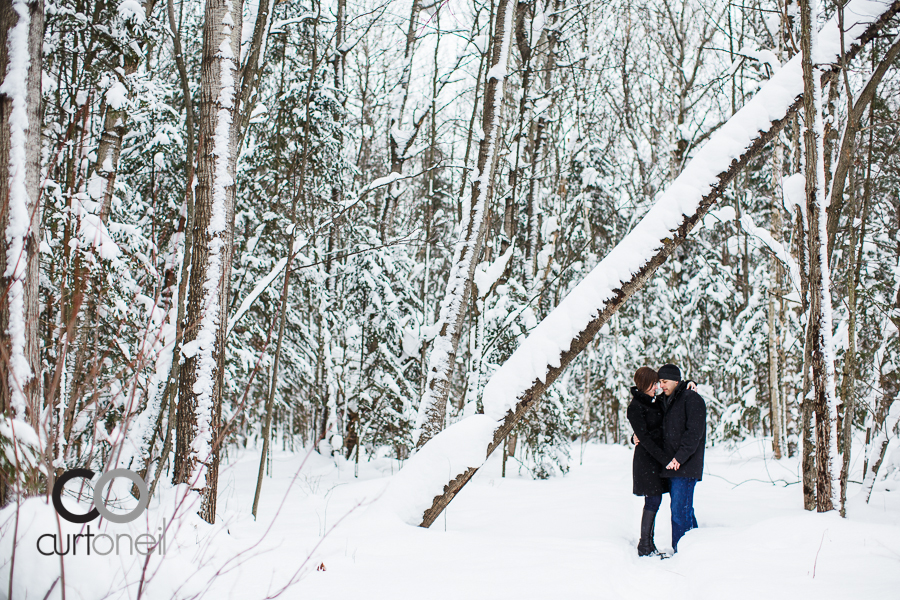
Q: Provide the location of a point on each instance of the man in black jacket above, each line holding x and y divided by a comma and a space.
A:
684, 437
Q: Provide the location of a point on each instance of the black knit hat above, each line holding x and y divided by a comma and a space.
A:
670, 372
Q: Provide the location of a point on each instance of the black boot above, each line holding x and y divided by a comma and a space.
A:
645, 545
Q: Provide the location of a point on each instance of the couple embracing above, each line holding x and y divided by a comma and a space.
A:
669, 421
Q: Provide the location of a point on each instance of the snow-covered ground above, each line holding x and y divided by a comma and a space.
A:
567, 537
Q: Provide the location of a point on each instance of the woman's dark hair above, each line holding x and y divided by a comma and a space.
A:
644, 378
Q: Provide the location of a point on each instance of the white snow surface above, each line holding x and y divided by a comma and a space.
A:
15, 85
132, 9
94, 233
487, 275
570, 537
541, 350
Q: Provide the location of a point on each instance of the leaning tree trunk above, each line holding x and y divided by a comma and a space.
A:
820, 315
200, 379
433, 406
544, 355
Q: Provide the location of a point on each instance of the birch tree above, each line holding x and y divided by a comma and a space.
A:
21, 33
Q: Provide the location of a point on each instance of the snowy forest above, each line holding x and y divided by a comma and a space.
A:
338, 227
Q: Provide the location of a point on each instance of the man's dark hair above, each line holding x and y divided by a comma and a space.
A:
670, 372
644, 378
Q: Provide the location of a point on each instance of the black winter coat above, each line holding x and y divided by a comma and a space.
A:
645, 413
684, 432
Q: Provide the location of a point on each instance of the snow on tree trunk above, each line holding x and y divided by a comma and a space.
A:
422, 489
774, 340
21, 36
820, 314
467, 250
200, 393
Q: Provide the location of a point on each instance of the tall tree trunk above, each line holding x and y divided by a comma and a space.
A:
820, 317
511, 210
200, 384
532, 242
807, 444
775, 404
433, 406
21, 39
171, 392
848, 388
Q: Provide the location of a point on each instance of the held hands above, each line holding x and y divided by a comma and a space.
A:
674, 465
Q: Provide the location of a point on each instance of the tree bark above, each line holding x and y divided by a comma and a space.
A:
819, 316
200, 381
808, 446
21, 39
775, 392
848, 388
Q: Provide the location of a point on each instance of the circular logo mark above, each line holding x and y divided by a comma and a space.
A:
100, 507
57, 496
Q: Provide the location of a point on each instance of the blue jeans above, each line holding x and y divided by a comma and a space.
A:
681, 494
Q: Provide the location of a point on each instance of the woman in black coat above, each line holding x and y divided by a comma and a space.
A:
645, 413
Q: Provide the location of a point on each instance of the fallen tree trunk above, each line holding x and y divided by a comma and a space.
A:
432, 478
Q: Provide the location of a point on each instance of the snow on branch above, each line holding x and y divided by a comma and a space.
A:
726, 214
775, 246
258, 289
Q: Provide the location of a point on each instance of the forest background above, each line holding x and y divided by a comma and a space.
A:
309, 223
